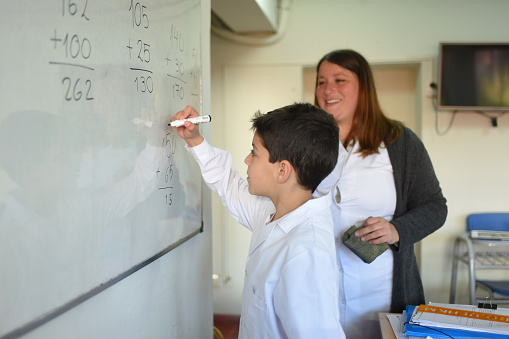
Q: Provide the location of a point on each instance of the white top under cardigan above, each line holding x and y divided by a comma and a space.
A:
367, 189
291, 283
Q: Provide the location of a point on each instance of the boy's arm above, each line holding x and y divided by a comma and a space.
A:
215, 166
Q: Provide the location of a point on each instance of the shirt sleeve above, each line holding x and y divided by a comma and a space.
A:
215, 166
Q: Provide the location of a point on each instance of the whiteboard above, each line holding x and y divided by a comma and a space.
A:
86, 194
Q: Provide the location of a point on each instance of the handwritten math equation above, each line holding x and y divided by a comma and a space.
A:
154, 63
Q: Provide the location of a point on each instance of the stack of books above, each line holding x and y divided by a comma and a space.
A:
456, 321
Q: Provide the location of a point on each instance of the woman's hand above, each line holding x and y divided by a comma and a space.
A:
377, 230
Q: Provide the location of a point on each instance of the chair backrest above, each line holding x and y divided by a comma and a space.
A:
488, 221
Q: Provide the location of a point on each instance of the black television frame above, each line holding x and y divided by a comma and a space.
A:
441, 88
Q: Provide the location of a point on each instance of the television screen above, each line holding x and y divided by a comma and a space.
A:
473, 76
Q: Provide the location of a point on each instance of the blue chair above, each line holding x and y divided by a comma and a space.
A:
481, 253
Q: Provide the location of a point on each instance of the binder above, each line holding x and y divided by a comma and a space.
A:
444, 333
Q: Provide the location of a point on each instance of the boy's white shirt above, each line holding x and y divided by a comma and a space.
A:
279, 300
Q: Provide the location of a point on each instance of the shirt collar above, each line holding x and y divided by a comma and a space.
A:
291, 220
308, 209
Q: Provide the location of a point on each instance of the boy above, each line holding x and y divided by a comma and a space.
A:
291, 283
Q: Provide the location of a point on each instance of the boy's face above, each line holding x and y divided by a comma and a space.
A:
261, 174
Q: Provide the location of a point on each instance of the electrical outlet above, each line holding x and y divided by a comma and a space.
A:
431, 90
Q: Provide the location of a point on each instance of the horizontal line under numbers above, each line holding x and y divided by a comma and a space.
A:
69, 64
140, 69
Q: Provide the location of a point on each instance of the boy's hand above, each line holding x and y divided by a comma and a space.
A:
189, 131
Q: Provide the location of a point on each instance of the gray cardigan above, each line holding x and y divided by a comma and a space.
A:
420, 210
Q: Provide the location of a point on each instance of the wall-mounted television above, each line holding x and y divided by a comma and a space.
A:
473, 77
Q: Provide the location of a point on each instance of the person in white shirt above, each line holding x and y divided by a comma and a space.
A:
386, 185
292, 280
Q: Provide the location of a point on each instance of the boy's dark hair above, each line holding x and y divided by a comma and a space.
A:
304, 135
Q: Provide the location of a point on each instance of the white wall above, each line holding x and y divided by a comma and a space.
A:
471, 161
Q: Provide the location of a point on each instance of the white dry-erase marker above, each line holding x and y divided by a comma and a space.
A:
147, 123
196, 120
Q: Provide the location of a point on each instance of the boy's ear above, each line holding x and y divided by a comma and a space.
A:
284, 171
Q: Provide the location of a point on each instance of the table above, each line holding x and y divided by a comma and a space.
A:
385, 326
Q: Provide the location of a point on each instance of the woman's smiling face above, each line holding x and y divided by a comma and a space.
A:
337, 92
